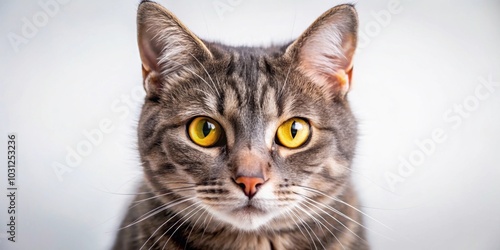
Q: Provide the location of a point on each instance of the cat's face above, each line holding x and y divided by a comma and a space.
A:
247, 135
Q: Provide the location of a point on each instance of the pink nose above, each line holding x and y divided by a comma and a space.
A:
249, 185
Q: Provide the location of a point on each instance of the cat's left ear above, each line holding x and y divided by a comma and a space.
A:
324, 52
168, 49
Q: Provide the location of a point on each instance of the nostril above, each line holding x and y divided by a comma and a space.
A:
249, 185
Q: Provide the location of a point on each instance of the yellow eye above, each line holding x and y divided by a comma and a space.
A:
293, 133
204, 131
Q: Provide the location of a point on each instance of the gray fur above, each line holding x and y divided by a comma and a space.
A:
249, 91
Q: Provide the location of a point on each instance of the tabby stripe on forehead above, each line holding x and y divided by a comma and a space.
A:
281, 103
232, 86
263, 95
268, 99
220, 103
251, 101
249, 68
253, 81
230, 65
239, 89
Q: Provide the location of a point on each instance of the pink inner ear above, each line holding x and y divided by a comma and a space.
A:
149, 56
325, 50
326, 70
326, 58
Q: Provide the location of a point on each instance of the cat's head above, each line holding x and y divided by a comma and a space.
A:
248, 135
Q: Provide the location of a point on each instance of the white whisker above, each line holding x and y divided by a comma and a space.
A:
205, 69
305, 228
319, 224
286, 79
163, 224
347, 204
335, 211
194, 73
194, 225
160, 195
193, 211
205, 229
158, 210
289, 216
367, 178
326, 226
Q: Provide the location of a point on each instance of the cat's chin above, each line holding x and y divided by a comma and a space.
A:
247, 218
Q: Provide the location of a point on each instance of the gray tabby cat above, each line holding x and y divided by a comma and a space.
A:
245, 148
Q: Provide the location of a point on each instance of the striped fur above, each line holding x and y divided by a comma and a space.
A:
189, 199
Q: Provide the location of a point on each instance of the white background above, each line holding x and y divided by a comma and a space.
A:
81, 65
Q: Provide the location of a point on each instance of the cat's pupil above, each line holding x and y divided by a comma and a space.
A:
295, 128
207, 127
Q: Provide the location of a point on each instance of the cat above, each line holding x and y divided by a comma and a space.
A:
245, 147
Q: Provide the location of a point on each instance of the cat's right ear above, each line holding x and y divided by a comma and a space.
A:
168, 49
324, 52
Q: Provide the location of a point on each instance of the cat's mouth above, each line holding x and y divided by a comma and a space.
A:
248, 217
249, 209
